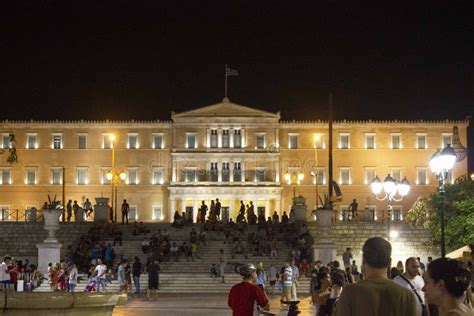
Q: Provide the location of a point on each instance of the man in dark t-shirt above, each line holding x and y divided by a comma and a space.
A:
242, 296
153, 270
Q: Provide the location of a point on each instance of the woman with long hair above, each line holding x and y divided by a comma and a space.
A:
445, 284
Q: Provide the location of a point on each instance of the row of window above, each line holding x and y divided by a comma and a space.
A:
82, 178
370, 140
57, 141
225, 140
225, 175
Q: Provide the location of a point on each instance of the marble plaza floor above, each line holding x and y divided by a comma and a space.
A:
196, 304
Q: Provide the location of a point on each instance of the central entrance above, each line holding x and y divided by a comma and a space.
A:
266, 200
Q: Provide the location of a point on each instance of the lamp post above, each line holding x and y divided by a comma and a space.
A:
115, 177
314, 173
294, 178
441, 163
392, 191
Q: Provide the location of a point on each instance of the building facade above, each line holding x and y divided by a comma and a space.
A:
226, 151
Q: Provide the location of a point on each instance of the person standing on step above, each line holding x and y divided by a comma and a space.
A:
353, 208
88, 208
69, 210
203, 212
125, 210
137, 271
153, 270
75, 208
218, 209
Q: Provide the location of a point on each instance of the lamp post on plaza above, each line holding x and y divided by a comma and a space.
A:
314, 173
441, 163
115, 177
392, 191
294, 179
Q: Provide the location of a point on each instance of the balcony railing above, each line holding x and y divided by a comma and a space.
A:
7, 215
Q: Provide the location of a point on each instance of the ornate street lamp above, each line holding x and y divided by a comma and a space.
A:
441, 163
115, 177
294, 178
391, 191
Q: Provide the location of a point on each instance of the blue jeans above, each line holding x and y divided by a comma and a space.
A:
136, 281
71, 287
100, 282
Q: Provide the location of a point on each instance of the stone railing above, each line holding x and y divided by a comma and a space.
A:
410, 241
59, 303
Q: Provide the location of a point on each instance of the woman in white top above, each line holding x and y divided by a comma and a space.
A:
445, 284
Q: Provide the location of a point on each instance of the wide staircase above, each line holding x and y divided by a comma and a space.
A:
187, 276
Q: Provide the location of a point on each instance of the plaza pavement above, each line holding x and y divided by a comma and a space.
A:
196, 304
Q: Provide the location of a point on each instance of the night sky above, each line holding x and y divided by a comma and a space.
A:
144, 59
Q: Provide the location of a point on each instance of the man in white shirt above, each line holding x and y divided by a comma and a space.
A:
4, 272
100, 271
412, 280
295, 276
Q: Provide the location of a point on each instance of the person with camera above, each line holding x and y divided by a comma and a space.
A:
243, 296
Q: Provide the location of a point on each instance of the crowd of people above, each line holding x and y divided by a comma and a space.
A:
441, 287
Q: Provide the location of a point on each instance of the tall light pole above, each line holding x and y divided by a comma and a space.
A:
115, 177
314, 173
294, 178
441, 163
392, 191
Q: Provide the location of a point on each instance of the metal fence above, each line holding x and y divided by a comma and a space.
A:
7, 215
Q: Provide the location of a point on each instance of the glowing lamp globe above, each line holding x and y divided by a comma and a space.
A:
390, 185
109, 176
404, 187
448, 158
376, 185
435, 163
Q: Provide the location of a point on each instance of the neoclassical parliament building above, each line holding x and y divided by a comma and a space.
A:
225, 151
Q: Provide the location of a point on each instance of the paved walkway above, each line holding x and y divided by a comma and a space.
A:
196, 304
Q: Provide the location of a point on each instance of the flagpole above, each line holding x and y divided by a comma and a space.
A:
225, 89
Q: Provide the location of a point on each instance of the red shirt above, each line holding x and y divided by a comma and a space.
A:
242, 298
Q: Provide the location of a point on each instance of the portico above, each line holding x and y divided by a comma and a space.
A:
185, 199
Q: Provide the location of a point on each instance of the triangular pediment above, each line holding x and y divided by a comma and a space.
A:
225, 109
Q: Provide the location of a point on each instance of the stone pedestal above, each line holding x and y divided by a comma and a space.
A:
50, 249
300, 208
48, 252
324, 249
101, 210
79, 215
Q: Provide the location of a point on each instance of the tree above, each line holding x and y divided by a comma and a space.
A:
458, 213
418, 214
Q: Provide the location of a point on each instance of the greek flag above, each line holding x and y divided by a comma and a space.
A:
230, 72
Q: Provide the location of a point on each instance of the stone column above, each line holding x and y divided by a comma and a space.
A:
219, 138
231, 207
231, 138
174, 177
231, 171
243, 139
195, 209
183, 205
278, 206
208, 139
324, 248
267, 208
50, 249
242, 171
219, 171
172, 208
101, 210
277, 171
